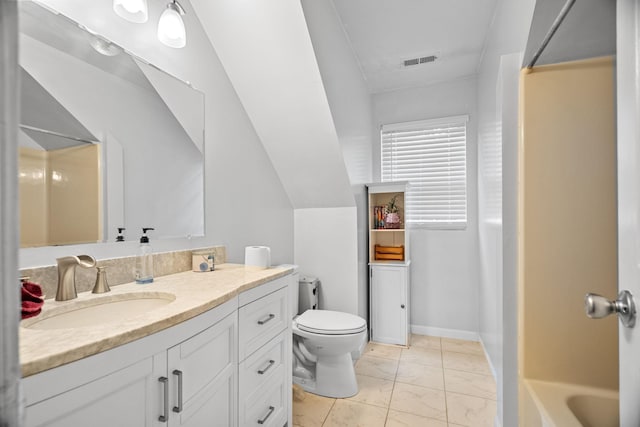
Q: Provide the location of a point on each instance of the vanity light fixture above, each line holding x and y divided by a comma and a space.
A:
132, 10
171, 29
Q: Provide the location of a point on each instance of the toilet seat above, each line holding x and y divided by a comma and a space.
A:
327, 322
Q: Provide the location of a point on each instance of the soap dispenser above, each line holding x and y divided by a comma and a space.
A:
144, 261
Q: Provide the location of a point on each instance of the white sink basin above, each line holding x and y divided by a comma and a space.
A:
99, 310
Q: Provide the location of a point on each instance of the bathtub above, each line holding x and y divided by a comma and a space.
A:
548, 404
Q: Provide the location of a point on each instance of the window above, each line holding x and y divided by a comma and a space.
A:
432, 156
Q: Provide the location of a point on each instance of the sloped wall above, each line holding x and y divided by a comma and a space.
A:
350, 104
267, 53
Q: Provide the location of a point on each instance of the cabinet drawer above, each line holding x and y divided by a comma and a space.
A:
266, 406
258, 368
261, 320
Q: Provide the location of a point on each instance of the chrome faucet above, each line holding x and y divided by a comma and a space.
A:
67, 275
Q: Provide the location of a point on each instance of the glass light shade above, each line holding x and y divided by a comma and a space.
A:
171, 29
132, 10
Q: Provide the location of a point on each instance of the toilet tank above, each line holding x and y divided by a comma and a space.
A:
308, 293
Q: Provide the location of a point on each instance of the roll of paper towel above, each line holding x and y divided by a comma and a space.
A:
259, 256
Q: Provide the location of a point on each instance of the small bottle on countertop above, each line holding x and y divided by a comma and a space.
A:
144, 261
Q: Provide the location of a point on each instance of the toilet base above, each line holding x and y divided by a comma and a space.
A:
338, 374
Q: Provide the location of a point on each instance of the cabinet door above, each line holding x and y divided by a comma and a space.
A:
389, 304
127, 397
202, 377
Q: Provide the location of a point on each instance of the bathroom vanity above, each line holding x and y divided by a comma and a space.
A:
218, 354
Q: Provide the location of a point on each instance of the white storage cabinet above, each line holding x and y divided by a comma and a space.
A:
389, 266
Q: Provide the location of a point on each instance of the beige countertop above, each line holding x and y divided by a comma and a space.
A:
194, 293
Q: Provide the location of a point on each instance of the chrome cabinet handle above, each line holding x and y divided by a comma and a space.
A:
269, 365
165, 382
264, 420
266, 319
597, 307
178, 408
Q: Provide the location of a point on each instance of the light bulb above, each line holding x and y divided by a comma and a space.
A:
132, 10
171, 29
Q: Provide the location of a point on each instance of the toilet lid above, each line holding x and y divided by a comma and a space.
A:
328, 322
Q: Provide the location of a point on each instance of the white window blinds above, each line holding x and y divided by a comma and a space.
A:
432, 156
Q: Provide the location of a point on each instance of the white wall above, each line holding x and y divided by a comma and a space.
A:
345, 87
245, 202
325, 245
267, 52
350, 104
444, 267
497, 145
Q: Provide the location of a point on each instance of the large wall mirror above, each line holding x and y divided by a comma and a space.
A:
106, 140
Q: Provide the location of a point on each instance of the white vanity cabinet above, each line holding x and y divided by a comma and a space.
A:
265, 356
125, 397
144, 383
187, 375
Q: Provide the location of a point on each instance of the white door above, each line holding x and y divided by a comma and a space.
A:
628, 81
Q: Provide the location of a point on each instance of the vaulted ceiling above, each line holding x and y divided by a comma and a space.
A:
385, 33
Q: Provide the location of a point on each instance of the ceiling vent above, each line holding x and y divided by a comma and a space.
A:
418, 61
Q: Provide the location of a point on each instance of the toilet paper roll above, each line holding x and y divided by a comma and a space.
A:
259, 256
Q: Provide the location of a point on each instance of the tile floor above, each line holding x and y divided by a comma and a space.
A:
437, 382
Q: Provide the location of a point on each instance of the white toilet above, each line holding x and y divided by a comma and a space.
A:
323, 342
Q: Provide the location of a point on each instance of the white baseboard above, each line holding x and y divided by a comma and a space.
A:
445, 333
486, 355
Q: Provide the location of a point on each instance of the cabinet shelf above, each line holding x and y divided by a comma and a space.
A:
386, 229
390, 263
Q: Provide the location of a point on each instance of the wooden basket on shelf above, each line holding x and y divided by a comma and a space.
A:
389, 253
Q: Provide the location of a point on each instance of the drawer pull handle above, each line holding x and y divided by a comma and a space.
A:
165, 382
178, 408
269, 365
264, 420
266, 319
